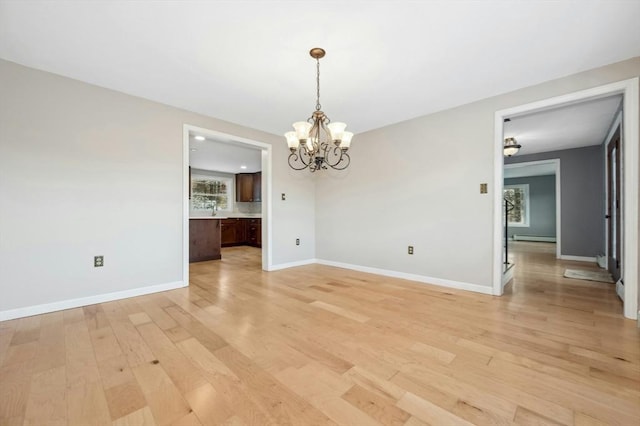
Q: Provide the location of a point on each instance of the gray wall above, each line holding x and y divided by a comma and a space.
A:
542, 206
582, 198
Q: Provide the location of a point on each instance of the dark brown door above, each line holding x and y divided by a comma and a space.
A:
613, 204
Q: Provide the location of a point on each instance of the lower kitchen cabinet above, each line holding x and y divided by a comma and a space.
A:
241, 231
204, 239
233, 232
254, 232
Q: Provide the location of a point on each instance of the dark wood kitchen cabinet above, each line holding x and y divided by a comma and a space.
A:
257, 186
204, 239
249, 187
233, 232
241, 232
254, 232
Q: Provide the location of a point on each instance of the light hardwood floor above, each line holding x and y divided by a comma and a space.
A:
321, 345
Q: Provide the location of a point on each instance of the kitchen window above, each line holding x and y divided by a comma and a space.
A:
518, 195
209, 192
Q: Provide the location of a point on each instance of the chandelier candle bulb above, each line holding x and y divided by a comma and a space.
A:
302, 130
292, 140
318, 143
336, 129
345, 142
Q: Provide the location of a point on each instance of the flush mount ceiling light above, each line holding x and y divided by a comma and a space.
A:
511, 147
317, 142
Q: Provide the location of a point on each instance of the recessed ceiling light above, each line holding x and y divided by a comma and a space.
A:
199, 138
243, 167
193, 149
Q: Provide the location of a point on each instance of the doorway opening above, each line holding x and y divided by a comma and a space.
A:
540, 220
222, 204
629, 89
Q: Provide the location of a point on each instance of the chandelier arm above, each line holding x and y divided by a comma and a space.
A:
336, 158
298, 157
345, 160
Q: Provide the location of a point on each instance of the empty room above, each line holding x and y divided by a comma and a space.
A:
319, 212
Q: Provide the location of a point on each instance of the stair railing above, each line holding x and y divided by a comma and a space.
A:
508, 206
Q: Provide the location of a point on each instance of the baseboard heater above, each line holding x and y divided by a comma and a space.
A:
534, 238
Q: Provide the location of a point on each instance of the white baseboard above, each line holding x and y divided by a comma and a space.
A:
507, 276
412, 277
534, 238
620, 290
291, 264
85, 301
578, 258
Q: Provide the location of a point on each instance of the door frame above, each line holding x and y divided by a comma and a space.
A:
610, 216
617, 122
629, 151
558, 212
266, 149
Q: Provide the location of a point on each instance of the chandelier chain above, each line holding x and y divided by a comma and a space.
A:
318, 106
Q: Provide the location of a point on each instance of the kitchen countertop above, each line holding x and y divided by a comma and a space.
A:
208, 217
227, 217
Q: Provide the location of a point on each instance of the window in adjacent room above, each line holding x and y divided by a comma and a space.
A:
209, 192
518, 195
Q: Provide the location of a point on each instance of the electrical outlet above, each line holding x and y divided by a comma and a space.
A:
297, 241
483, 188
98, 261
284, 197
410, 250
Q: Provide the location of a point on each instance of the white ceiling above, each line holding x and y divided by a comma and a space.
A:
223, 156
571, 126
387, 61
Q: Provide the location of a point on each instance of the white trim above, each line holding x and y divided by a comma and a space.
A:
498, 182
292, 264
412, 277
507, 276
266, 191
185, 204
617, 122
86, 301
579, 258
630, 145
631, 130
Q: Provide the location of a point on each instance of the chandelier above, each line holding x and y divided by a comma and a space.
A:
317, 142
511, 147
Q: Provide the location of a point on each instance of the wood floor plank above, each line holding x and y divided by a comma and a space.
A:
166, 402
377, 407
181, 371
141, 417
47, 404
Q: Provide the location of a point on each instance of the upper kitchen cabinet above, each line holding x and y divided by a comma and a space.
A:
248, 187
257, 186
